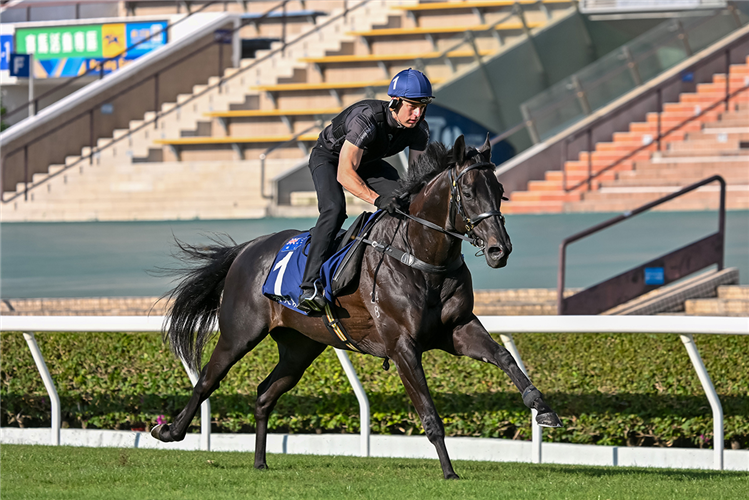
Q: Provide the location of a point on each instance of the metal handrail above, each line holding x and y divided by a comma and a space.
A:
100, 67
464, 38
161, 114
561, 272
528, 122
661, 135
678, 34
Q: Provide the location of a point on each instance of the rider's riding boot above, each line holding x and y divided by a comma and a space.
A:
312, 300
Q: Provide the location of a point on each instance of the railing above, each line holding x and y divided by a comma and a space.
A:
99, 67
633, 283
466, 38
505, 326
218, 40
581, 94
620, 71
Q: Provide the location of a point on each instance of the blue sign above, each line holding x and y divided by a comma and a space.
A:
20, 65
654, 276
136, 32
6, 49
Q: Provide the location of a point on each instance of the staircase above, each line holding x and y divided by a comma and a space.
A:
731, 301
199, 162
715, 143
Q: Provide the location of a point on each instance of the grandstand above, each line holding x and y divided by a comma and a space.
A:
158, 139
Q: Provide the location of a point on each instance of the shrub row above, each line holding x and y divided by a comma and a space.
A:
622, 389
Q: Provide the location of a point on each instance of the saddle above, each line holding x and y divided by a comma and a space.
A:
339, 274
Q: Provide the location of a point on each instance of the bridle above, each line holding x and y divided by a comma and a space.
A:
456, 207
456, 204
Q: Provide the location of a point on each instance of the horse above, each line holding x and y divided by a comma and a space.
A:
397, 312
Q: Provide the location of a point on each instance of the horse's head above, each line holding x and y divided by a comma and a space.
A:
475, 199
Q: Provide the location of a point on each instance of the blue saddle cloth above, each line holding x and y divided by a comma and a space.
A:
287, 271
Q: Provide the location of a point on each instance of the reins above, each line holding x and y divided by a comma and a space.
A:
456, 206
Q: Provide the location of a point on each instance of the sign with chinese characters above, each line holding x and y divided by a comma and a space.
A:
66, 51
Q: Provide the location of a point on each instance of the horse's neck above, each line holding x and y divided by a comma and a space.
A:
433, 204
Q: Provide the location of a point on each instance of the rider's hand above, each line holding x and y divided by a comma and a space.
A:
391, 203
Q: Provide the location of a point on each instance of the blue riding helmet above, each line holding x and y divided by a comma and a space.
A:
412, 85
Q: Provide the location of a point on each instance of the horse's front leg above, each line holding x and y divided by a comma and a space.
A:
472, 340
408, 361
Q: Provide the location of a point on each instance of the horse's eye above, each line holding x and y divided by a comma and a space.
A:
468, 194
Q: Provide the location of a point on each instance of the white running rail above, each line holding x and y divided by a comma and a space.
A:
685, 326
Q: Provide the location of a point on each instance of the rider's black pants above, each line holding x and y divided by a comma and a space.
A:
379, 175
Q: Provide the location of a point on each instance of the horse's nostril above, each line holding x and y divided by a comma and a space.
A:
495, 253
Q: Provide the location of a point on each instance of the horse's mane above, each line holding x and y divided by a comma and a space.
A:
431, 163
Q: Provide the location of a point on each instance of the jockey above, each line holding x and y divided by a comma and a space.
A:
349, 154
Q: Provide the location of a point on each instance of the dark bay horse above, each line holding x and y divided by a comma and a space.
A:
452, 194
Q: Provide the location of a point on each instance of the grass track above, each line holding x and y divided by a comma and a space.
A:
41, 472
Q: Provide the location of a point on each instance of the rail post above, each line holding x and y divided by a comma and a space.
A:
712, 397
205, 411
728, 77
361, 396
26, 173
156, 100
49, 384
91, 136
537, 433
590, 159
659, 109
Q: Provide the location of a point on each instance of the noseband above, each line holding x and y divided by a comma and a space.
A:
456, 206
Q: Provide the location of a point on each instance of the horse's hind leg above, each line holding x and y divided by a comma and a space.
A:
296, 352
408, 362
223, 358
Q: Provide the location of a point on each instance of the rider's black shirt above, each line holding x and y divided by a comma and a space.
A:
362, 128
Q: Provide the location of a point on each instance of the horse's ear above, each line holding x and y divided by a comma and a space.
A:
486, 149
459, 150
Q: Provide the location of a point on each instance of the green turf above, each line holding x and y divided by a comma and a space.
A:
41, 472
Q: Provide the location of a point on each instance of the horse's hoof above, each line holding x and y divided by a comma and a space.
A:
261, 466
452, 476
548, 419
156, 432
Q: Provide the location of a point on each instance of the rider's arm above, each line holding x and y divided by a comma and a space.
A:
349, 161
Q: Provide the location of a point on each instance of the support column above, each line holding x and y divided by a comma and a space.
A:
205, 411
361, 396
537, 432
49, 384
712, 397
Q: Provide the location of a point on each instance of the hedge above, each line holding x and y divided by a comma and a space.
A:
623, 389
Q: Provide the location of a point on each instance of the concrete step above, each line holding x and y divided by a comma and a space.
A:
672, 298
734, 292
717, 307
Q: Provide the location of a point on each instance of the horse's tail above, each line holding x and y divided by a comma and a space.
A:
196, 299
